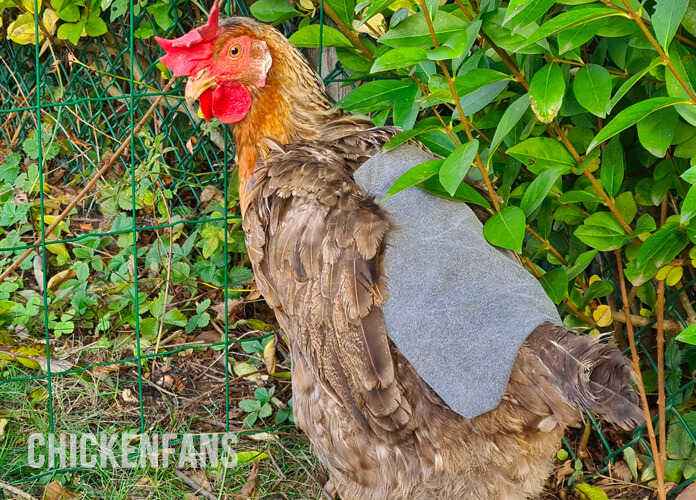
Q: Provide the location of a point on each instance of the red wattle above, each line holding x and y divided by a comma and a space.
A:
231, 102
206, 103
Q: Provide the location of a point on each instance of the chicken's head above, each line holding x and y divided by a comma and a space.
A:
223, 66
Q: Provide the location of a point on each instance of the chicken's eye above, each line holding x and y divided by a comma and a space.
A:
235, 51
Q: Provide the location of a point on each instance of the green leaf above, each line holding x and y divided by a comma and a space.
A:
239, 275
414, 175
546, 92
628, 84
67, 10
602, 232
406, 108
175, 317
666, 19
581, 263
95, 25
578, 35
373, 96
597, 289
528, 11
540, 153
626, 205
479, 99
685, 65
309, 36
477, 79
513, 114
401, 57
612, 172
688, 335
590, 492
250, 405
272, 11
421, 128
465, 193
538, 189
592, 89
574, 17
506, 228
344, 8
456, 166
632, 115
71, 31
688, 208
555, 284
690, 175
353, 60
451, 49
657, 130
414, 32
662, 246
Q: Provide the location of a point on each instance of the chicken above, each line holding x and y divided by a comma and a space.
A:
317, 244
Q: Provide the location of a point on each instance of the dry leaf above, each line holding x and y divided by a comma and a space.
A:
250, 484
128, 396
56, 491
269, 357
199, 477
59, 278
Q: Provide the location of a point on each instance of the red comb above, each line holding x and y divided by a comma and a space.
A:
189, 54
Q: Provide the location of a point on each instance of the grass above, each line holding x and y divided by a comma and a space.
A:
85, 404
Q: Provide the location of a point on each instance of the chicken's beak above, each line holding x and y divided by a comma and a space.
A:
198, 84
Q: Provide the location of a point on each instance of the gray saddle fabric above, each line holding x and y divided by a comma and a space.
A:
459, 309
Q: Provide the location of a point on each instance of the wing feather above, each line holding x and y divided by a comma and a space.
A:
321, 261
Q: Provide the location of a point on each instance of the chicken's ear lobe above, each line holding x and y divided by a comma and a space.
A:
189, 54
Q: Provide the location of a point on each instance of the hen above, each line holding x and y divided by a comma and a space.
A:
317, 241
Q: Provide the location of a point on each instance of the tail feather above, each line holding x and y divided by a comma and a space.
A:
590, 375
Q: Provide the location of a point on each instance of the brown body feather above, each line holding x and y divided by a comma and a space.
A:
315, 241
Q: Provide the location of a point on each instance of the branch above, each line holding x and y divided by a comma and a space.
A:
663, 55
462, 117
635, 361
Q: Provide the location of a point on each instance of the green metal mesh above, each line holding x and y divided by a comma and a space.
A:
94, 94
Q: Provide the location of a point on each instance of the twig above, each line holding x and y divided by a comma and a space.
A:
17, 491
663, 55
635, 361
661, 418
350, 34
462, 117
667, 325
548, 246
197, 488
93, 181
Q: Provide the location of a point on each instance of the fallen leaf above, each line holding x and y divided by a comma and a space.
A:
246, 370
56, 491
199, 477
128, 396
60, 278
269, 357
250, 484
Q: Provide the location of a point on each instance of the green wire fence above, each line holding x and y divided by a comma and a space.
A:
95, 112
70, 108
